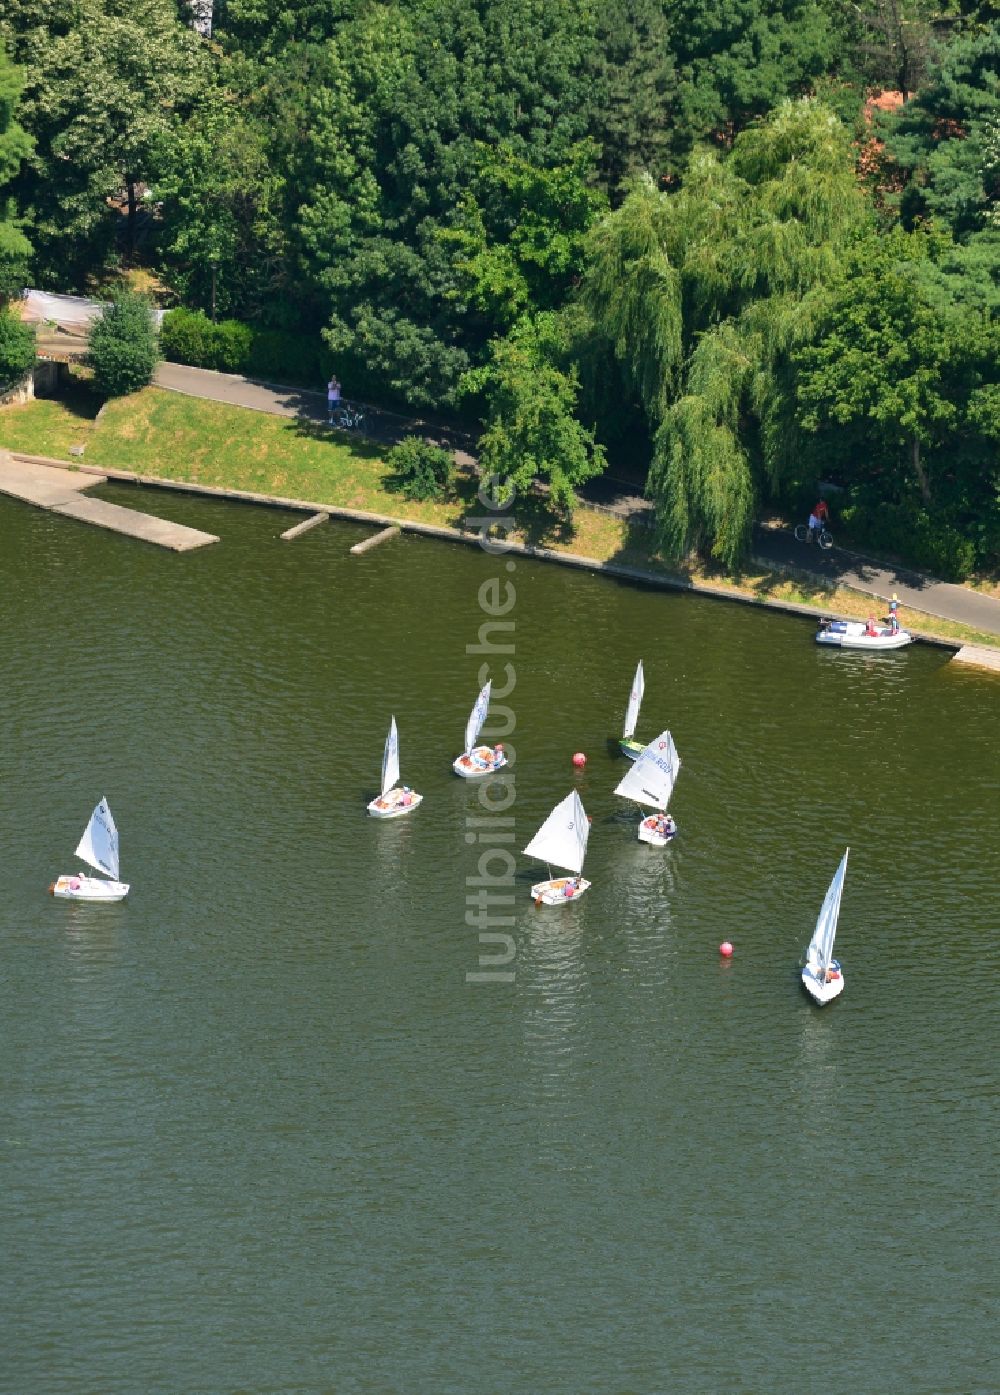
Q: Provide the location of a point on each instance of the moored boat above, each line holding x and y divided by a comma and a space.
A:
855, 634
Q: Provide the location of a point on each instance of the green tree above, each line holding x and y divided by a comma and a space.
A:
519, 236
945, 141
533, 433
222, 245
17, 348
15, 147
909, 377
739, 59
123, 349
380, 155
105, 83
704, 294
635, 91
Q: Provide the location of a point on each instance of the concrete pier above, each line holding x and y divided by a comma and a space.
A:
59, 490
978, 656
374, 541
304, 526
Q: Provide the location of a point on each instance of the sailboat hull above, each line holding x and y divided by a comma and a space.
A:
483, 760
823, 992
648, 833
394, 804
630, 748
83, 888
558, 891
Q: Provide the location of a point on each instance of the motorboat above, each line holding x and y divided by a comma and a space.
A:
855, 634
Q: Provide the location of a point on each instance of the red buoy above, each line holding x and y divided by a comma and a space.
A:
579, 760
726, 949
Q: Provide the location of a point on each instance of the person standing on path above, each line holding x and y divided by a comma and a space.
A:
332, 398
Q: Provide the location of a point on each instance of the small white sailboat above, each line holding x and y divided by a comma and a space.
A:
822, 976
395, 800
650, 782
561, 842
628, 745
99, 849
476, 761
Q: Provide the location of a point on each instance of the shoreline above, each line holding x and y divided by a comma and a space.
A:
618, 570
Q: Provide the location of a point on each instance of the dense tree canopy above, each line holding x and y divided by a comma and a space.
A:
15, 147
637, 227
705, 293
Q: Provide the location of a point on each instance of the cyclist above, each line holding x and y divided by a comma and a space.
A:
818, 520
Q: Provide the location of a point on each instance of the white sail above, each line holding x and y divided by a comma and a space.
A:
390, 759
820, 951
650, 780
477, 717
99, 844
562, 838
634, 703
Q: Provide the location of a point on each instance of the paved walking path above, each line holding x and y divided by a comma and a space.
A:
779, 547
388, 428
621, 497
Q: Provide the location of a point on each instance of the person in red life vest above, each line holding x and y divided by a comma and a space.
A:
818, 519
871, 628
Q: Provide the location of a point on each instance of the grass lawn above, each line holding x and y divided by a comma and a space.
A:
155, 432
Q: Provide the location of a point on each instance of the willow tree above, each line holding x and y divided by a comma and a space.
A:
704, 294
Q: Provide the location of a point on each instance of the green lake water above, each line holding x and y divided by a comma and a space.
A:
260, 1134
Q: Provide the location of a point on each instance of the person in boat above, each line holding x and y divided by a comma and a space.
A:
572, 886
872, 628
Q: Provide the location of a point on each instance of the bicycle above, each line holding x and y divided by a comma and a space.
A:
346, 418
823, 535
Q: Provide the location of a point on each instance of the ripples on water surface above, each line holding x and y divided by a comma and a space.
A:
259, 1135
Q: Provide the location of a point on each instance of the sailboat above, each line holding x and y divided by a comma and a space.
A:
478, 760
628, 746
393, 802
561, 842
822, 976
99, 849
650, 782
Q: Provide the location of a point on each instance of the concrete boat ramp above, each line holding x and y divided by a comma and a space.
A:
61, 491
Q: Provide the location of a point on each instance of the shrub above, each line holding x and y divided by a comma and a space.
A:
282, 356
184, 337
123, 350
189, 336
277, 355
932, 543
17, 348
422, 470
231, 343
